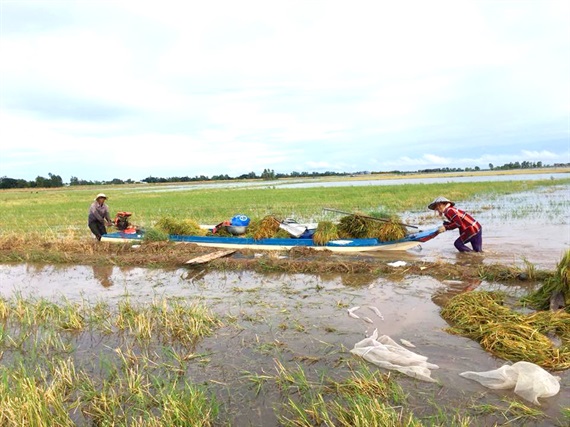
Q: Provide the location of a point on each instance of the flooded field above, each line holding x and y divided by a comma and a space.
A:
360, 181
302, 320
532, 226
295, 319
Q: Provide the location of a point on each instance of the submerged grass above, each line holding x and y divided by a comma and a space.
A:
143, 368
363, 398
511, 411
132, 384
135, 375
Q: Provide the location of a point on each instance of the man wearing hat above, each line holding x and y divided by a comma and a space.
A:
470, 231
99, 216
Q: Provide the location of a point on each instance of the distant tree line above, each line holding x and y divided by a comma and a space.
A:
40, 182
506, 166
54, 181
517, 165
267, 175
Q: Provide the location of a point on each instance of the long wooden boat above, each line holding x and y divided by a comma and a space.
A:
283, 244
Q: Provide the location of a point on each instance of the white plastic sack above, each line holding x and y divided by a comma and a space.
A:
397, 264
386, 353
529, 380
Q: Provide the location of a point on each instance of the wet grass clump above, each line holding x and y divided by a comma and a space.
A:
390, 230
362, 397
483, 317
556, 290
70, 364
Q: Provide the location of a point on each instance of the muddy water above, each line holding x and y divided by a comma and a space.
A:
294, 317
532, 226
304, 317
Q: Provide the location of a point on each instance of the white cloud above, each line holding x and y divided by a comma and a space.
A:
323, 85
540, 155
425, 160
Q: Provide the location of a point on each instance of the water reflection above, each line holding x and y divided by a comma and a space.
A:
194, 275
355, 280
441, 296
104, 274
423, 180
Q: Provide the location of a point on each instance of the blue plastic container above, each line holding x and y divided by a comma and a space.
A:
240, 221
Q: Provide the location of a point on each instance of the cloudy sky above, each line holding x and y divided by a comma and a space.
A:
129, 89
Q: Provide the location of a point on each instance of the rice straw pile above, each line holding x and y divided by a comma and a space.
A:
354, 226
186, 227
266, 228
326, 231
507, 334
358, 227
155, 235
389, 231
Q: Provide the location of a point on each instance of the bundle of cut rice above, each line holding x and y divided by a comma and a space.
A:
266, 228
389, 231
326, 231
510, 335
360, 227
187, 227
354, 226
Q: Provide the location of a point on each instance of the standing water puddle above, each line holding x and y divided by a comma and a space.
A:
292, 317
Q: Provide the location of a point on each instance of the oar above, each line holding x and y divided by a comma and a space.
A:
370, 217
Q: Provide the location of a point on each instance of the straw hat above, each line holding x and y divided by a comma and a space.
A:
99, 196
438, 200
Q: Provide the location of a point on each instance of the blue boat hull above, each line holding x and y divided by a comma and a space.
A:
340, 245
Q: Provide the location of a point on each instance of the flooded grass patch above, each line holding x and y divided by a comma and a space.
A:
511, 412
359, 396
78, 364
278, 355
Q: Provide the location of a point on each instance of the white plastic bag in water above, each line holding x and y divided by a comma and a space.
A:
529, 380
388, 354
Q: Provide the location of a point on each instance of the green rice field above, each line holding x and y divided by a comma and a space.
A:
65, 210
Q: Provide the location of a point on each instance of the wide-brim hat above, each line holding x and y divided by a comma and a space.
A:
100, 195
439, 200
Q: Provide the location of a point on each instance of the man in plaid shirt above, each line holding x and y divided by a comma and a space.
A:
470, 231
